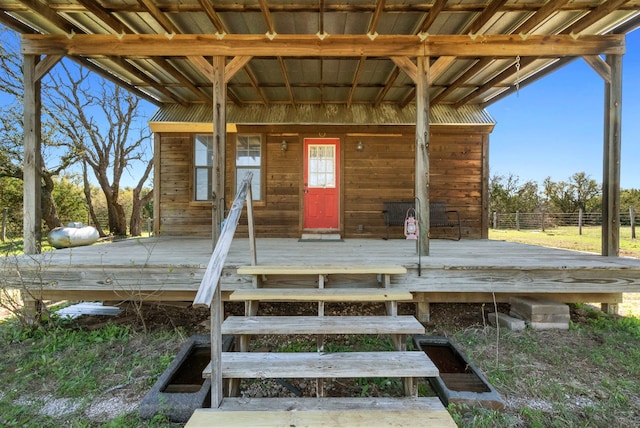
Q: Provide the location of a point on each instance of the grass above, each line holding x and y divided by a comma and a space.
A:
568, 237
58, 374
588, 376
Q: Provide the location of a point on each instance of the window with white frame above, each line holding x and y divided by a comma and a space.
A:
249, 158
203, 167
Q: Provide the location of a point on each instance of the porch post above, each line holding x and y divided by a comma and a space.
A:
32, 231
219, 144
422, 153
611, 159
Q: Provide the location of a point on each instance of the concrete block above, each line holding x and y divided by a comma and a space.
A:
540, 313
534, 305
504, 320
549, 325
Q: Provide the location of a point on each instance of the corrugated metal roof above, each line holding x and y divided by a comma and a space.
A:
320, 79
360, 114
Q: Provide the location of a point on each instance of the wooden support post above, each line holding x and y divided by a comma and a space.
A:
422, 153
219, 144
216, 349
632, 221
32, 157
609, 308
423, 312
580, 220
611, 159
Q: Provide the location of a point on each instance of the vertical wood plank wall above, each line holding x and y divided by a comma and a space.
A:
382, 171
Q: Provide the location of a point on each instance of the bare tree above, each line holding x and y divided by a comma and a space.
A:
11, 133
99, 119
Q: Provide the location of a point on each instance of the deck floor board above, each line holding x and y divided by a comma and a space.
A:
171, 268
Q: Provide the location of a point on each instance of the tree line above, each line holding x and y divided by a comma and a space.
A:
507, 194
93, 133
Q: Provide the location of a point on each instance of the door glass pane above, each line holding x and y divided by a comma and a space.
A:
321, 165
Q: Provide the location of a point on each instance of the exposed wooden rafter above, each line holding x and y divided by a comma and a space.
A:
159, 16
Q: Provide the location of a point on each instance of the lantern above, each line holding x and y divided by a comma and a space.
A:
410, 224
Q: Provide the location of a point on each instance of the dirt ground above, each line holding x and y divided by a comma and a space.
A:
196, 321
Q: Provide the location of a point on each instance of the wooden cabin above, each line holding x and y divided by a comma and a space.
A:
374, 163
393, 94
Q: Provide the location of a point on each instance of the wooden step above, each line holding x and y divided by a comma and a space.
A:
404, 324
258, 365
325, 412
321, 294
321, 269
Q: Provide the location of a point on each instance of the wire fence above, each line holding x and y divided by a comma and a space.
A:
545, 220
11, 228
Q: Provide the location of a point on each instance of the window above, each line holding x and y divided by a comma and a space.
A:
203, 167
249, 158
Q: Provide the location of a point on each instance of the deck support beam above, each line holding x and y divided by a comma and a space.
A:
611, 159
422, 154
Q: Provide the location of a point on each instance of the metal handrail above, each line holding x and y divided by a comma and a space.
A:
211, 277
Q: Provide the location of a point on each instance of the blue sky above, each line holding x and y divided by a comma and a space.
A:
555, 126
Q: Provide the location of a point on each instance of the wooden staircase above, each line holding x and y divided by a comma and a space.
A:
321, 411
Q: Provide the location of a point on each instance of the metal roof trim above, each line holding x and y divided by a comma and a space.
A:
325, 114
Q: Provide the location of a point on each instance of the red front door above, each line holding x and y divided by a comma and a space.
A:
321, 183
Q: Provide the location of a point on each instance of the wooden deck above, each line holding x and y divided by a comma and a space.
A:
171, 268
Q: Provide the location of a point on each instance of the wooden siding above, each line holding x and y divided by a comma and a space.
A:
382, 171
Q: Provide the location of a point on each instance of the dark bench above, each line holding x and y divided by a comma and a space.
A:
395, 214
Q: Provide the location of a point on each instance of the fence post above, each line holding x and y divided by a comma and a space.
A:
495, 219
580, 222
544, 213
4, 224
632, 219
517, 220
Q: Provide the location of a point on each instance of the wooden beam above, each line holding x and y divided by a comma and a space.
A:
106, 17
387, 87
406, 65
552, 46
599, 66
235, 65
219, 142
435, 10
373, 23
180, 78
90, 65
356, 80
32, 232
158, 86
44, 66
202, 64
264, 7
422, 154
531, 79
491, 9
45, 11
594, 16
611, 159
157, 14
539, 16
440, 65
472, 71
285, 78
501, 77
213, 15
